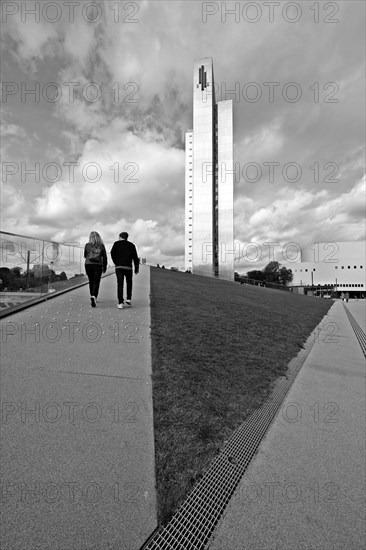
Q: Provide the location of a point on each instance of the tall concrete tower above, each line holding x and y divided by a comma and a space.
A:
209, 182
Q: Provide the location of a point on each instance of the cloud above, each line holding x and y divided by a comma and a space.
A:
13, 205
30, 41
151, 61
12, 136
12, 130
302, 217
138, 189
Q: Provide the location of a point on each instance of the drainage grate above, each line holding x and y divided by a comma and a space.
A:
194, 522
360, 335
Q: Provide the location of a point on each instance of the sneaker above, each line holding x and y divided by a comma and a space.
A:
120, 306
92, 300
128, 302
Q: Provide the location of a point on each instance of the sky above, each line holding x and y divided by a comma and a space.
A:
97, 97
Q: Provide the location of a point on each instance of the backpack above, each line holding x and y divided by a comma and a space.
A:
94, 254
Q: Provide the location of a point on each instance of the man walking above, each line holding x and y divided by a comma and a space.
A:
123, 253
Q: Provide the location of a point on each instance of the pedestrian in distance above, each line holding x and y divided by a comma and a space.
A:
123, 254
346, 296
95, 264
342, 296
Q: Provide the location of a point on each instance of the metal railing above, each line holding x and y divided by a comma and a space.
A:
266, 284
31, 268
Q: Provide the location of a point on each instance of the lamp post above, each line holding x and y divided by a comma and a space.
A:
28, 262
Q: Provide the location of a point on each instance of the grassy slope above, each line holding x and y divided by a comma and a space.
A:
217, 347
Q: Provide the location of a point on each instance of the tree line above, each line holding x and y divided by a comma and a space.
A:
16, 278
272, 273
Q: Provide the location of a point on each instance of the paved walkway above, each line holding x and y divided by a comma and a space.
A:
77, 425
305, 489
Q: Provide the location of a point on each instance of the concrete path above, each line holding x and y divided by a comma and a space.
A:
305, 489
77, 423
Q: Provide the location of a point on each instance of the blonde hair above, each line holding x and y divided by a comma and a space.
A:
95, 238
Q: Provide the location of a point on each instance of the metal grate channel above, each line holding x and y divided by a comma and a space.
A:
360, 335
194, 522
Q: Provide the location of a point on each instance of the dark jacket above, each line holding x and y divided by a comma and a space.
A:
123, 253
103, 259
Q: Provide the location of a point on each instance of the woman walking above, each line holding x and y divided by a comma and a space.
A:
95, 264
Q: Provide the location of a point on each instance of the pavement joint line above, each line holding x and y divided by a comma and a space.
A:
95, 374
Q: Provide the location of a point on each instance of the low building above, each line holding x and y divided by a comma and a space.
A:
333, 267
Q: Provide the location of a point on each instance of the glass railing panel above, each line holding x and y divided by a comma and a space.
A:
31, 268
66, 265
21, 269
